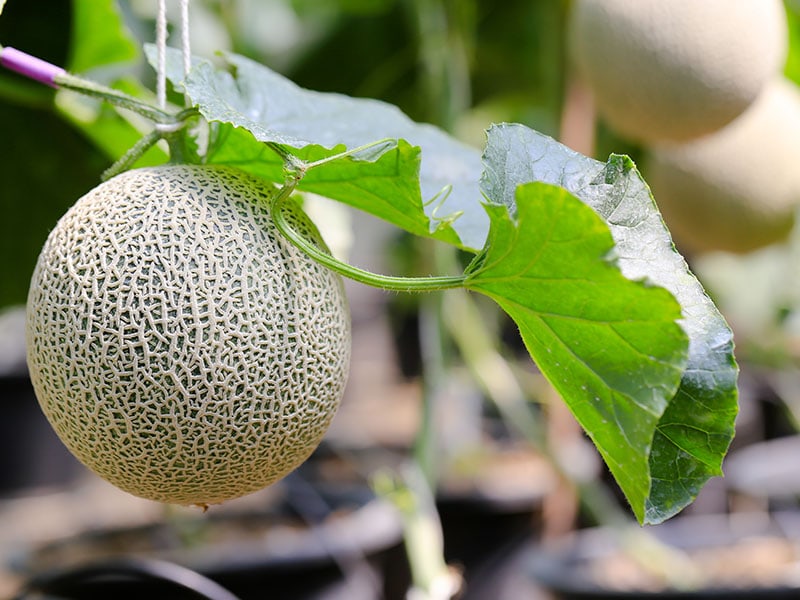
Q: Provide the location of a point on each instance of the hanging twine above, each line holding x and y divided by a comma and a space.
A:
185, 47
161, 48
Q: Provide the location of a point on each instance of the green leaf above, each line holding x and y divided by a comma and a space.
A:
609, 345
387, 187
314, 124
695, 430
99, 36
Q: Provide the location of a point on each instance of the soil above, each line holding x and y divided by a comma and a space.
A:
753, 562
711, 555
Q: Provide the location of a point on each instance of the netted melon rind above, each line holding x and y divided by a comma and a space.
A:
673, 71
178, 344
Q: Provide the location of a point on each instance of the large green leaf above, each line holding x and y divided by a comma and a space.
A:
99, 36
271, 108
387, 186
609, 345
696, 428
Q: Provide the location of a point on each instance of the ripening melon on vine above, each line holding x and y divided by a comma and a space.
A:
676, 70
737, 189
181, 347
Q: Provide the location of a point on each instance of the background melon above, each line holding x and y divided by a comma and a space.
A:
180, 347
736, 189
679, 69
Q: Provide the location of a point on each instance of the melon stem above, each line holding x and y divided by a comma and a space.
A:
386, 282
115, 97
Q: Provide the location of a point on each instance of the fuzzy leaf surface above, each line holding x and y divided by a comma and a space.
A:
696, 427
100, 37
612, 347
440, 188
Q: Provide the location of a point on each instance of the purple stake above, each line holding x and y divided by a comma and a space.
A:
30, 66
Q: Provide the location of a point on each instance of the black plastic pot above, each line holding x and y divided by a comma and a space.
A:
487, 512
158, 578
568, 568
488, 516
320, 543
481, 535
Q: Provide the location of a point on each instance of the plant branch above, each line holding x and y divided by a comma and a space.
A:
386, 142
53, 76
167, 124
115, 97
162, 131
132, 155
409, 491
386, 282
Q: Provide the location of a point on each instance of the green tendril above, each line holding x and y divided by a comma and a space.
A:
386, 282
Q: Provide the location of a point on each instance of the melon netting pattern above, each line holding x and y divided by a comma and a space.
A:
179, 345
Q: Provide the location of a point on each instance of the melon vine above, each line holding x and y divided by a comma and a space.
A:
130, 291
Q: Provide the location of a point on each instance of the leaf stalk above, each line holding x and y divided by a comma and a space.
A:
117, 98
386, 282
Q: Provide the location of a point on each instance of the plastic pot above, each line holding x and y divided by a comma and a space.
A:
739, 557
319, 543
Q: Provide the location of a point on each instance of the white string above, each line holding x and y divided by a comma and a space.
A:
161, 49
187, 52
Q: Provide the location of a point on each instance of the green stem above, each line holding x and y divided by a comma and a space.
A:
115, 97
434, 353
171, 132
386, 282
292, 166
297, 168
132, 155
177, 140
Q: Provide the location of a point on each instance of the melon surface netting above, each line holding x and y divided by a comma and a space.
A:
178, 344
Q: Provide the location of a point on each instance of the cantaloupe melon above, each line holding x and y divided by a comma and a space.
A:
678, 69
180, 347
737, 189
